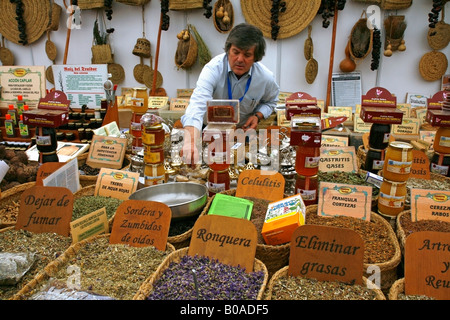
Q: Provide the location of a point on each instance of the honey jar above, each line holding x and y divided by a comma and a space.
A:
139, 100
307, 188
153, 135
218, 181
135, 125
398, 161
154, 170
441, 142
307, 160
392, 197
153, 154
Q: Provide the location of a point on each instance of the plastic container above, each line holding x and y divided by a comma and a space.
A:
9, 126
307, 160
14, 115
20, 104
379, 136
307, 187
218, 181
23, 129
441, 142
398, 161
392, 197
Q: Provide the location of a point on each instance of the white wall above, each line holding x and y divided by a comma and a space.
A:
399, 73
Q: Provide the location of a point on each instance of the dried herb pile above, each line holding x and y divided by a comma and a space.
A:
9, 212
432, 184
87, 204
47, 246
410, 226
216, 281
347, 178
114, 270
299, 288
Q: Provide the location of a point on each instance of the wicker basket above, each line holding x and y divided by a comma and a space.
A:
284, 273
360, 24
185, 4
53, 267
218, 24
395, 4
11, 197
134, 2
87, 180
142, 48
274, 257
191, 56
91, 4
388, 269
101, 54
147, 287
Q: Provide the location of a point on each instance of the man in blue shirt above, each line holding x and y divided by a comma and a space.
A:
235, 74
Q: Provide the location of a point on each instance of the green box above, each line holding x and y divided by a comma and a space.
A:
231, 206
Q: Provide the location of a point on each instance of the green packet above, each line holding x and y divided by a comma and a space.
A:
231, 206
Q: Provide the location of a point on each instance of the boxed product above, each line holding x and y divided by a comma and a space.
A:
283, 217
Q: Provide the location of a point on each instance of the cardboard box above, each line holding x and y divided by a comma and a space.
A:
438, 118
283, 217
384, 115
306, 138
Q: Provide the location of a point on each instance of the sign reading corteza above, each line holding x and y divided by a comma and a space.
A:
231, 241
327, 254
45, 209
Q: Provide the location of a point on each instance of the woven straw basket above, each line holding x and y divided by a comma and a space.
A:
61, 262
142, 48
395, 4
397, 288
439, 36
147, 287
192, 53
101, 54
11, 197
218, 24
185, 4
87, 180
284, 273
134, 2
91, 4
388, 269
273, 256
361, 24
433, 65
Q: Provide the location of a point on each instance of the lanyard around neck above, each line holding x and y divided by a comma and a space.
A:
230, 94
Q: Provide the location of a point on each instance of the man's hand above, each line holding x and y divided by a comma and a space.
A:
252, 121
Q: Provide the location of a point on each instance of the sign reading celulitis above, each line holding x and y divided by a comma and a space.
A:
427, 270
45, 209
230, 240
327, 254
141, 223
106, 152
267, 185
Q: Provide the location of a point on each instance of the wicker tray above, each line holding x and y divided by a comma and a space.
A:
12, 197
53, 267
147, 287
388, 269
87, 180
284, 273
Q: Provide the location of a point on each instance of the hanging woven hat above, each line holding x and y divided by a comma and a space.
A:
36, 16
142, 48
439, 36
296, 17
432, 65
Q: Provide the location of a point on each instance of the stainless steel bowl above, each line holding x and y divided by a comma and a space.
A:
185, 199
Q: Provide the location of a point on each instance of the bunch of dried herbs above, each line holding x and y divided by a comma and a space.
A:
87, 204
46, 246
299, 288
209, 278
426, 184
114, 270
346, 178
9, 212
410, 226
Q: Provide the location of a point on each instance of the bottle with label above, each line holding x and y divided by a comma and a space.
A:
20, 104
46, 141
440, 164
23, 129
9, 126
374, 160
307, 186
218, 181
379, 136
13, 112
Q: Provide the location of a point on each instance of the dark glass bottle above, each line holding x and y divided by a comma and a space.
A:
379, 136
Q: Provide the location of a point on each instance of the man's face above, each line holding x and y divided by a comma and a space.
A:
241, 60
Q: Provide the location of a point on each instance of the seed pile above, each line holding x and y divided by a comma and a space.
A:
402, 296
9, 212
114, 270
258, 215
346, 178
299, 288
216, 281
47, 246
432, 184
410, 226
85, 205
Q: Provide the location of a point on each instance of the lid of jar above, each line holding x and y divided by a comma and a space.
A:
308, 177
401, 145
394, 182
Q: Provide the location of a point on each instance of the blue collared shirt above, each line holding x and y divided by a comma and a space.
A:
262, 95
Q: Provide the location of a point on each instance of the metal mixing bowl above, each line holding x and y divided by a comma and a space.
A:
185, 199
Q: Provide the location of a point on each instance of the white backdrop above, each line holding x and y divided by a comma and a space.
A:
399, 73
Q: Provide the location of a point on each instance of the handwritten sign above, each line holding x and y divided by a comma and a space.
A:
89, 225
338, 159
268, 185
427, 264
157, 102
338, 199
118, 184
232, 241
106, 152
327, 254
430, 205
141, 223
46, 169
408, 126
421, 165
178, 104
334, 141
45, 209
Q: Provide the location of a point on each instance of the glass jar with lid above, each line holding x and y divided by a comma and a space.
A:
398, 161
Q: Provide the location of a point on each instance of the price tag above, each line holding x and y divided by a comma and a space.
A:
141, 223
327, 254
107, 152
232, 241
427, 264
338, 199
116, 183
45, 209
89, 225
178, 104
268, 185
338, 159
430, 205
